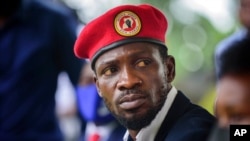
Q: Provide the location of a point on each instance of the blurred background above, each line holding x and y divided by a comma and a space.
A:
195, 28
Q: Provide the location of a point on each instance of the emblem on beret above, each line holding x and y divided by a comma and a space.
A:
127, 23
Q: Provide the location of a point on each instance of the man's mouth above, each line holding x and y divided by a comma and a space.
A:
132, 101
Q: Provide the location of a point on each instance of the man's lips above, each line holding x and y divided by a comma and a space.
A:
132, 101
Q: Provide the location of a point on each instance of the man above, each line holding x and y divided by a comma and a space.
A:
233, 92
133, 75
231, 65
36, 44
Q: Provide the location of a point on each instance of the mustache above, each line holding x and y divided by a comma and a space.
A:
135, 91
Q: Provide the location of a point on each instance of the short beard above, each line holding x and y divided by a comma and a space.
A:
137, 123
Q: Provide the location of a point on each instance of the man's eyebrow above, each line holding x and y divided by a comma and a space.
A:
111, 61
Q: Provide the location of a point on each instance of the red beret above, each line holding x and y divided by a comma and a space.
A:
118, 26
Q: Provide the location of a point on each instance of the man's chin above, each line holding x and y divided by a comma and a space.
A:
137, 122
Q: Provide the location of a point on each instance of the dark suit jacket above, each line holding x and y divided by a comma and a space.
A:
118, 133
185, 122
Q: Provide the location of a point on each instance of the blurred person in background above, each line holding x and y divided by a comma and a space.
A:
243, 15
244, 30
133, 73
232, 104
232, 75
66, 103
101, 125
36, 44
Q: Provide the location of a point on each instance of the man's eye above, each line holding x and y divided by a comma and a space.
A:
143, 63
109, 71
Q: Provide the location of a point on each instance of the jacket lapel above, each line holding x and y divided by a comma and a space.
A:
178, 108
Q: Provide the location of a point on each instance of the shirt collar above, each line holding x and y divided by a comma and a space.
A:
149, 132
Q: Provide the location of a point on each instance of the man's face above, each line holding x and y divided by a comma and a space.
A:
233, 101
134, 82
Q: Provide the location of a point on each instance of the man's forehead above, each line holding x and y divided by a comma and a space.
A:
133, 49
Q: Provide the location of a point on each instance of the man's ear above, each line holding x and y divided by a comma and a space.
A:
170, 67
97, 86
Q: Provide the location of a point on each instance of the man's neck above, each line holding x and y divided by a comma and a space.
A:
133, 134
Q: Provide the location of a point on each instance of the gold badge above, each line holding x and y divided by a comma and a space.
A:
127, 23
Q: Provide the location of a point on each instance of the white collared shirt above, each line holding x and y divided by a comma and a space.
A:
148, 133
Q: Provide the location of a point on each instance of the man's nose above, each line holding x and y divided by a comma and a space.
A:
128, 79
